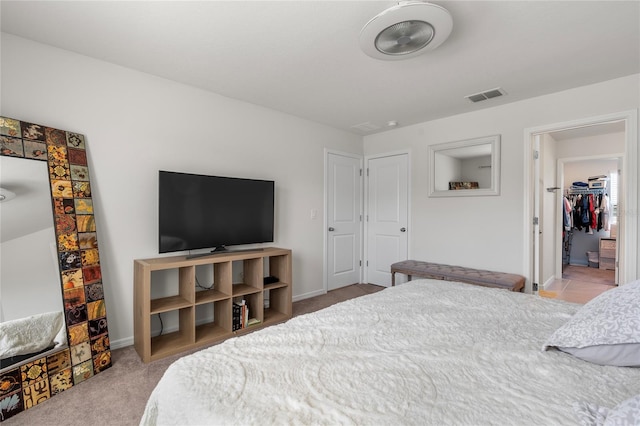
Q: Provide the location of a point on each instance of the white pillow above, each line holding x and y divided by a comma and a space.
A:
626, 413
606, 330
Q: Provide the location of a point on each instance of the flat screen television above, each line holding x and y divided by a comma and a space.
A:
201, 211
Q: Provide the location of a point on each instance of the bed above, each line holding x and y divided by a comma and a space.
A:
426, 352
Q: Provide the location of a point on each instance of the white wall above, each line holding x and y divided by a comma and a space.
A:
475, 170
136, 124
449, 170
487, 232
589, 146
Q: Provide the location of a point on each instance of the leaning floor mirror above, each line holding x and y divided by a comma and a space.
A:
53, 322
465, 168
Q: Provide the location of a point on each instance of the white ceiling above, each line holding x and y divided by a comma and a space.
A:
303, 57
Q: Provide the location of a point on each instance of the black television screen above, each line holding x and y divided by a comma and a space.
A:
200, 211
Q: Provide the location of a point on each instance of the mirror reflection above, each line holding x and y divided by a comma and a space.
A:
464, 168
31, 307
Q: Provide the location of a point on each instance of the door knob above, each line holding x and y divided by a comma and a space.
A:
403, 229
331, 229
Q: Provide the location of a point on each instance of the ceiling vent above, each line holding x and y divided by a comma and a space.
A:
405, 30
488, 94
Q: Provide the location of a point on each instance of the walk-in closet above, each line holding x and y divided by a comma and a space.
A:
589, 218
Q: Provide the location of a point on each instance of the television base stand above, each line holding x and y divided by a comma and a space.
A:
221, 250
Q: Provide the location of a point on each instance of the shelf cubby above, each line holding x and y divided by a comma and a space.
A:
220, 326
165, 344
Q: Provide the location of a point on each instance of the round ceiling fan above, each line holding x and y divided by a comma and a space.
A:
405, 30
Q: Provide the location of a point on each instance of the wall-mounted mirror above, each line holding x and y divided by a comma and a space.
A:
465, 168
51, 281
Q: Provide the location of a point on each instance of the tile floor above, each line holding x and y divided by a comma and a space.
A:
579, 284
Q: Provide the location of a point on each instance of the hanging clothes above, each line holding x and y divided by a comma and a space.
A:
567, 218
577, 212
604, 209
593, 217
586, 218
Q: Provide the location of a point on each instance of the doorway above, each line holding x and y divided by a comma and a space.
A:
543, 180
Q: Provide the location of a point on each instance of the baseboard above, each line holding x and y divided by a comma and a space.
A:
548, 282
308, 295
122, 343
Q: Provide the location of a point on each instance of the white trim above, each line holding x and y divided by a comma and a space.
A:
368, 158
629, 185
121, 343
548, 282
325, 215
309, 295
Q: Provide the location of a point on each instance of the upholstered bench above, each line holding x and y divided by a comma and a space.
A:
440, 271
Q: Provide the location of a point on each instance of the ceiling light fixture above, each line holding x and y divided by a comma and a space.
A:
6, 195
406, 30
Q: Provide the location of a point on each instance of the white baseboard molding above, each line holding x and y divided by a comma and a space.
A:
308, 295
548, 282
121, 343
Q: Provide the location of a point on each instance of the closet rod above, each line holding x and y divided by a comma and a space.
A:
585, 191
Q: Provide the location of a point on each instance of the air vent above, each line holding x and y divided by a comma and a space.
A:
366, 127
483, 96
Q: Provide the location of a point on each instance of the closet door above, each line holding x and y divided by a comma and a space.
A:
344, 213
387, 216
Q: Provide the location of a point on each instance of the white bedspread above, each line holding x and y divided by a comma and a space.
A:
425, 352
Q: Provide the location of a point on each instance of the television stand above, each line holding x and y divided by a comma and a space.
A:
183, 301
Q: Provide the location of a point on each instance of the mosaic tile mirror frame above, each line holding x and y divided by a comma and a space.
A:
88, 351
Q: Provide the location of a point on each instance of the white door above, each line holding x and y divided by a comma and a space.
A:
387, 214
344, 215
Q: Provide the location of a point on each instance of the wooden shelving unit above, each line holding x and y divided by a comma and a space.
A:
220, 298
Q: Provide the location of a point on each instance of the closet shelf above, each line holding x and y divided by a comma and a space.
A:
595, 191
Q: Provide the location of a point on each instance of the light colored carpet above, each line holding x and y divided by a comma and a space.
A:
117, 396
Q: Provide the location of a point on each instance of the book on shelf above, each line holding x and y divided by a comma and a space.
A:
237, 316
253, 321
240, 315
